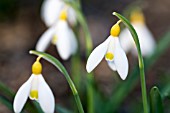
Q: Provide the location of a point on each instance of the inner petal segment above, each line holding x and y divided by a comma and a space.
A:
34, 94
109, 56
54, 40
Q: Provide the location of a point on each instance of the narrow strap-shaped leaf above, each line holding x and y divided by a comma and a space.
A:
6, 90
156, 105
6, 103
61, 109
37, 106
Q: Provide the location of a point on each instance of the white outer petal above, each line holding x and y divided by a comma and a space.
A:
22, 95
112, 65
120, 60
126, 40
72, 18
45, 39
97, 55
146, 39
45, 96
73, 41
50, 11
63, 42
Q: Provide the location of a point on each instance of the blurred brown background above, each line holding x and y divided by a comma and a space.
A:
21, 27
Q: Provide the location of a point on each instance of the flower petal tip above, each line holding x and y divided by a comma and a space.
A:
65, 57
123, 77
114, 13
88, 69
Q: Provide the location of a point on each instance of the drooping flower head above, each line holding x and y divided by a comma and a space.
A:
61, 35
50, 12
37, 89
113, 53
146, 39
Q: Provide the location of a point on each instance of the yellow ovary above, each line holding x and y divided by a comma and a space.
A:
137, 17
63, 14
109, 56
54, 40
37, 67
115, 30
34, 94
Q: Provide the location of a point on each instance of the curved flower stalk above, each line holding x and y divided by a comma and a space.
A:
61, 35
146, 38
50, 12
113, 52
36, 89
140, 59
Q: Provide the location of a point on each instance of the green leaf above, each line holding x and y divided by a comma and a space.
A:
37, 106
156, 105
61, 109
6, 90
6, 103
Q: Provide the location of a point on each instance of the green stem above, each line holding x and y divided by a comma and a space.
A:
76, 62
140, 59
61, 68
81, 19
90, 93
89, 45
75, 93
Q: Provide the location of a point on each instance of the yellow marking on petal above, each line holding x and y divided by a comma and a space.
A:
54, 40
137, 17
34, 94
37, 67
63, 14
109, 56
115, 30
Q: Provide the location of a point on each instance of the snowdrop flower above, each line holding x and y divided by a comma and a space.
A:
50, 12
36, 89
60, 35
113, 52
146, 39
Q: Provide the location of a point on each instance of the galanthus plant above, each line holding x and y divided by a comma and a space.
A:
61, 35
36, 89
113, 53
59, 18
51, 9
146, 38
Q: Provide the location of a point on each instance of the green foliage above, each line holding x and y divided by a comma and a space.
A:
156, 105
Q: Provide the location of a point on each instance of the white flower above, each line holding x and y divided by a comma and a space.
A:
36, 89
50, 12
114, 54
61, 35
146, 39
